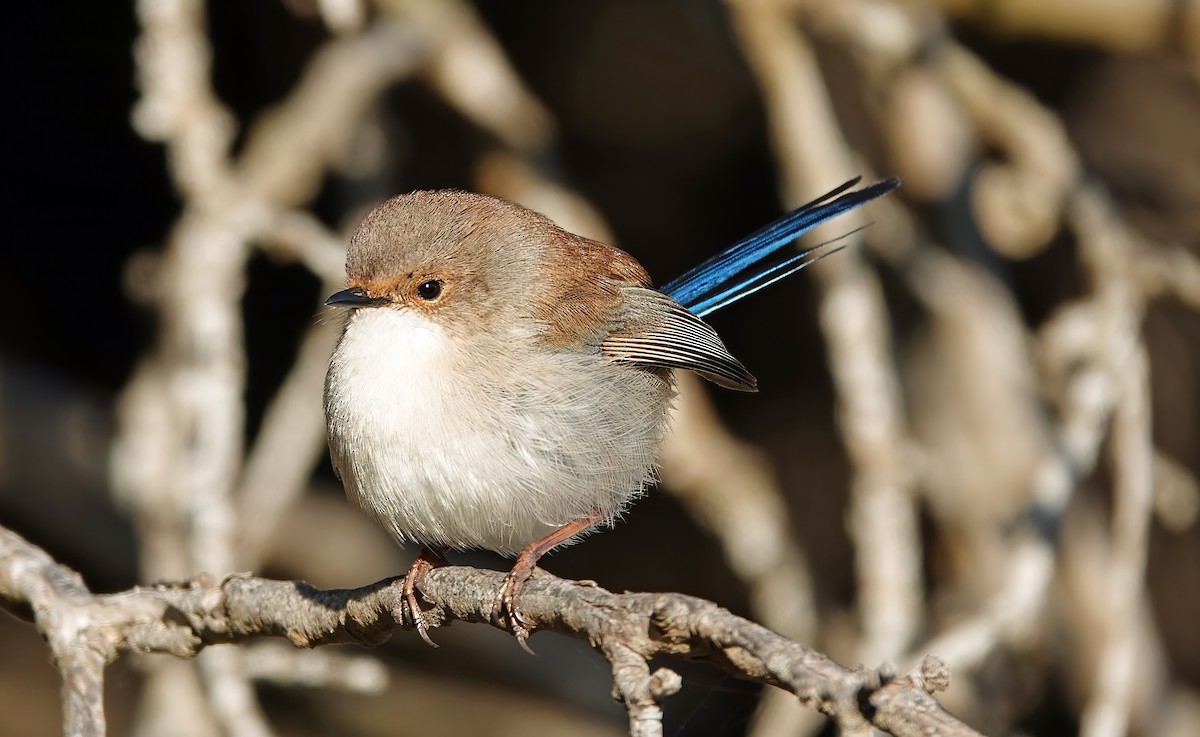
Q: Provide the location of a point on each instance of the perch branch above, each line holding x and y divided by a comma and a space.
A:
184, 618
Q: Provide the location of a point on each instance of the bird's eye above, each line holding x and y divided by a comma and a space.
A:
430, 290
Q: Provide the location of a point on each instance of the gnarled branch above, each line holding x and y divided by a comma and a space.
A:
629, 629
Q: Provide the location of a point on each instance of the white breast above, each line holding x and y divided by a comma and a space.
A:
456, 445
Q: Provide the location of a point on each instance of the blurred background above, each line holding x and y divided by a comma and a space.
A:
978, 432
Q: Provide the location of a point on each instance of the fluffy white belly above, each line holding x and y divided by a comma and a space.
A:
464, 446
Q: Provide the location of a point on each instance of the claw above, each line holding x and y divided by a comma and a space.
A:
410, 608
505, 605
506, 599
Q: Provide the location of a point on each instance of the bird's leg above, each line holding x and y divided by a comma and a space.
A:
425, 562
527, 559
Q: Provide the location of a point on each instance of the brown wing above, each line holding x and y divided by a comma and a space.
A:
593, 293
581, 286
658, 331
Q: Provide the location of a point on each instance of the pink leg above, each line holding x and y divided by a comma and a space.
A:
425, 562
506, 600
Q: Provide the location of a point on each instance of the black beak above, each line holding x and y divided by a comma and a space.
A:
355, 297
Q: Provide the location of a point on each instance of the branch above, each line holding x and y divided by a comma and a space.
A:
871, 417
629, 629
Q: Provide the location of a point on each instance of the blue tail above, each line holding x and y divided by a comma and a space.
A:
742, 269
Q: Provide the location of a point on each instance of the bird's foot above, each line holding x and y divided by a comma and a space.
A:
506, 600
506, 607
410, 608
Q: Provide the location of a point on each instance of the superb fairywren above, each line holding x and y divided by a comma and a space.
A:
503, 384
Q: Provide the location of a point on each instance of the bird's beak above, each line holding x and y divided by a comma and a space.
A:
355, 297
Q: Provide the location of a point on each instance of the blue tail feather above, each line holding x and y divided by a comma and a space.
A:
743, 268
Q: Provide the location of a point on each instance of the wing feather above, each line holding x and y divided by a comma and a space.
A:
656, 331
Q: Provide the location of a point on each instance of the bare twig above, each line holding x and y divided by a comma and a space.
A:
883, 518
1108, 252
1131, 26
289, 445
279, 664
183, 619
191, 390
323, 112
702, 462
468, 68
198, 368
33, 586
1107, 715
1017, 201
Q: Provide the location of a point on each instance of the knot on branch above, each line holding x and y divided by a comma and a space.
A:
933, 676
665, 682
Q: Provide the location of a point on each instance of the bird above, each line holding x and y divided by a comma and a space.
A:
500, 383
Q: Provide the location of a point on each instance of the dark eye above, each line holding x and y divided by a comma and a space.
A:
430, 290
